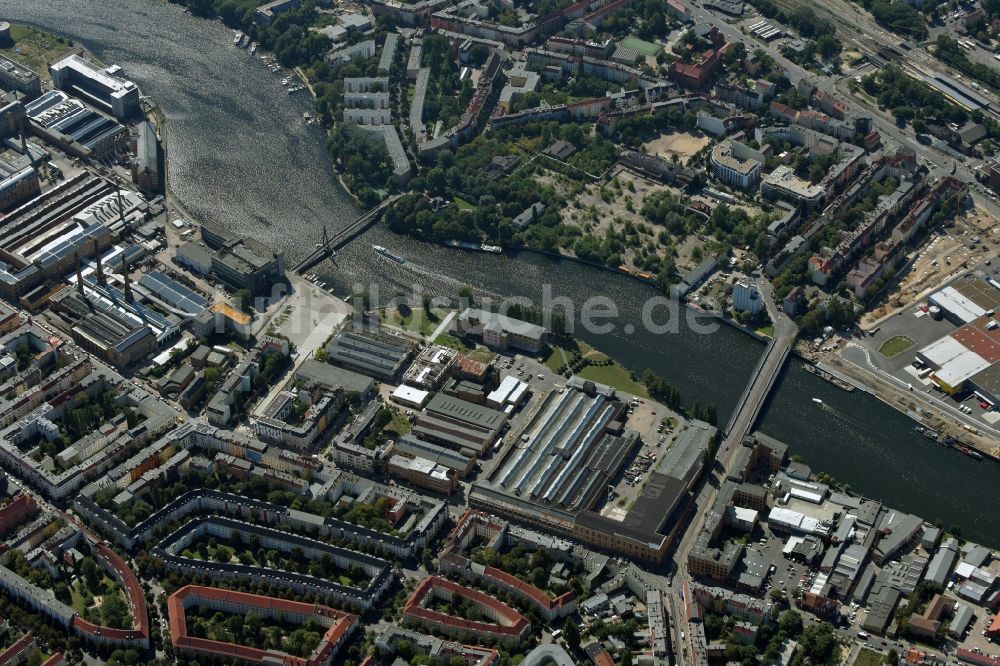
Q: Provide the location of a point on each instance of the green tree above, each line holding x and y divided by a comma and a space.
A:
571, 633
244, 300
791, 623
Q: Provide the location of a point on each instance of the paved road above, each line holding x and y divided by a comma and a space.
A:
776, 353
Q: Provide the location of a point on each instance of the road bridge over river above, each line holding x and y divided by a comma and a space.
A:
741, 422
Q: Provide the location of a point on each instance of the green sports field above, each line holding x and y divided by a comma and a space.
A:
644, 47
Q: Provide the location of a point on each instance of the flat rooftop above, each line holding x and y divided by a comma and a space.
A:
981, 292
981, 336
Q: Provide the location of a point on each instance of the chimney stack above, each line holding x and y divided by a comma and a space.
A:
79, 274
100, 268
128, 283
24, 141
121, 209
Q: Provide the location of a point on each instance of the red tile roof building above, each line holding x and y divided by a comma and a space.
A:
508, 626
339, 625
696, 75
475, 524
138, 635
994, 629
16, 653
970, 657
17, 511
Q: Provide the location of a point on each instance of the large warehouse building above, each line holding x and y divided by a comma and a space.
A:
969, 357
557, 472
101, 88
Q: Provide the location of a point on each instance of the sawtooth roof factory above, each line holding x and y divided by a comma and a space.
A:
570, 448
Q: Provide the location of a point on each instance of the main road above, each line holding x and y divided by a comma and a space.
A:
740, 425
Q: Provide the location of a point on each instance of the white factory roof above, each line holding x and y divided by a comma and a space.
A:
939, 352
510, 390
809, 496
410, 395
960, 368
964, 570
90, 71
793, 519
791, 544
951, 300
745, 515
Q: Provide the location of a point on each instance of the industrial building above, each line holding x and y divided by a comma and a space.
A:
242, 263
101, 88
107, 322
500, 331
413, 447
431, 367
457, 424
568, 451
374, 353
333, 378
67, 123
967, 299
18, 188
47, 237
148, 165
423, 473
15, 76
969, 357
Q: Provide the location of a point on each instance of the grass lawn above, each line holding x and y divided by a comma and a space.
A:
895, 346
417, 321
474, 352
106, 586
78, 603
868, 657
613, 375
463, 204
766, 330
642, 46
399, 424
616, 376
557, 358
36, 49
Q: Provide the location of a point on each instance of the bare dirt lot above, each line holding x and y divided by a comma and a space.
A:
682, 144
973, 239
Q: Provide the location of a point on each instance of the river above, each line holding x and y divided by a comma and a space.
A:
241, 155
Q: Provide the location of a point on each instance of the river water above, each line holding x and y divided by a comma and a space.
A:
241, 155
